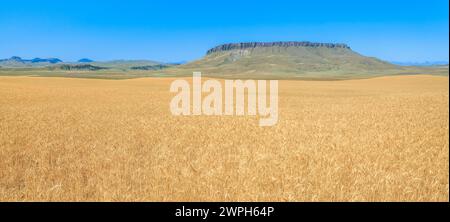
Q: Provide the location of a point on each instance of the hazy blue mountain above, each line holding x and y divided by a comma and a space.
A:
16, 61
85, 60
49, 60
426, 63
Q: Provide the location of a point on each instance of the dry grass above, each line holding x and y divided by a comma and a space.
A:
382, 139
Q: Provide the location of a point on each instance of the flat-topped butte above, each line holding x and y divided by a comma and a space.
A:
247, 45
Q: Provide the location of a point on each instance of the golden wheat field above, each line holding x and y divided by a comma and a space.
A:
380, 139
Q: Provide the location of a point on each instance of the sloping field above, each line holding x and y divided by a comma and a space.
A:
381, 139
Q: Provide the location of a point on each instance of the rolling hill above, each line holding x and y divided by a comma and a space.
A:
124, 64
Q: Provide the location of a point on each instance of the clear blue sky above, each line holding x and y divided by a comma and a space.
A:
171, 31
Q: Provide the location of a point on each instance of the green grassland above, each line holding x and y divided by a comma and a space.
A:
181, 72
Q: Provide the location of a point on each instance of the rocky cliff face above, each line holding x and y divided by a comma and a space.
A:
248, 45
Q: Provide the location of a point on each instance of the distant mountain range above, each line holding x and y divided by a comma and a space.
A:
82, 64
427, 63
17, 61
